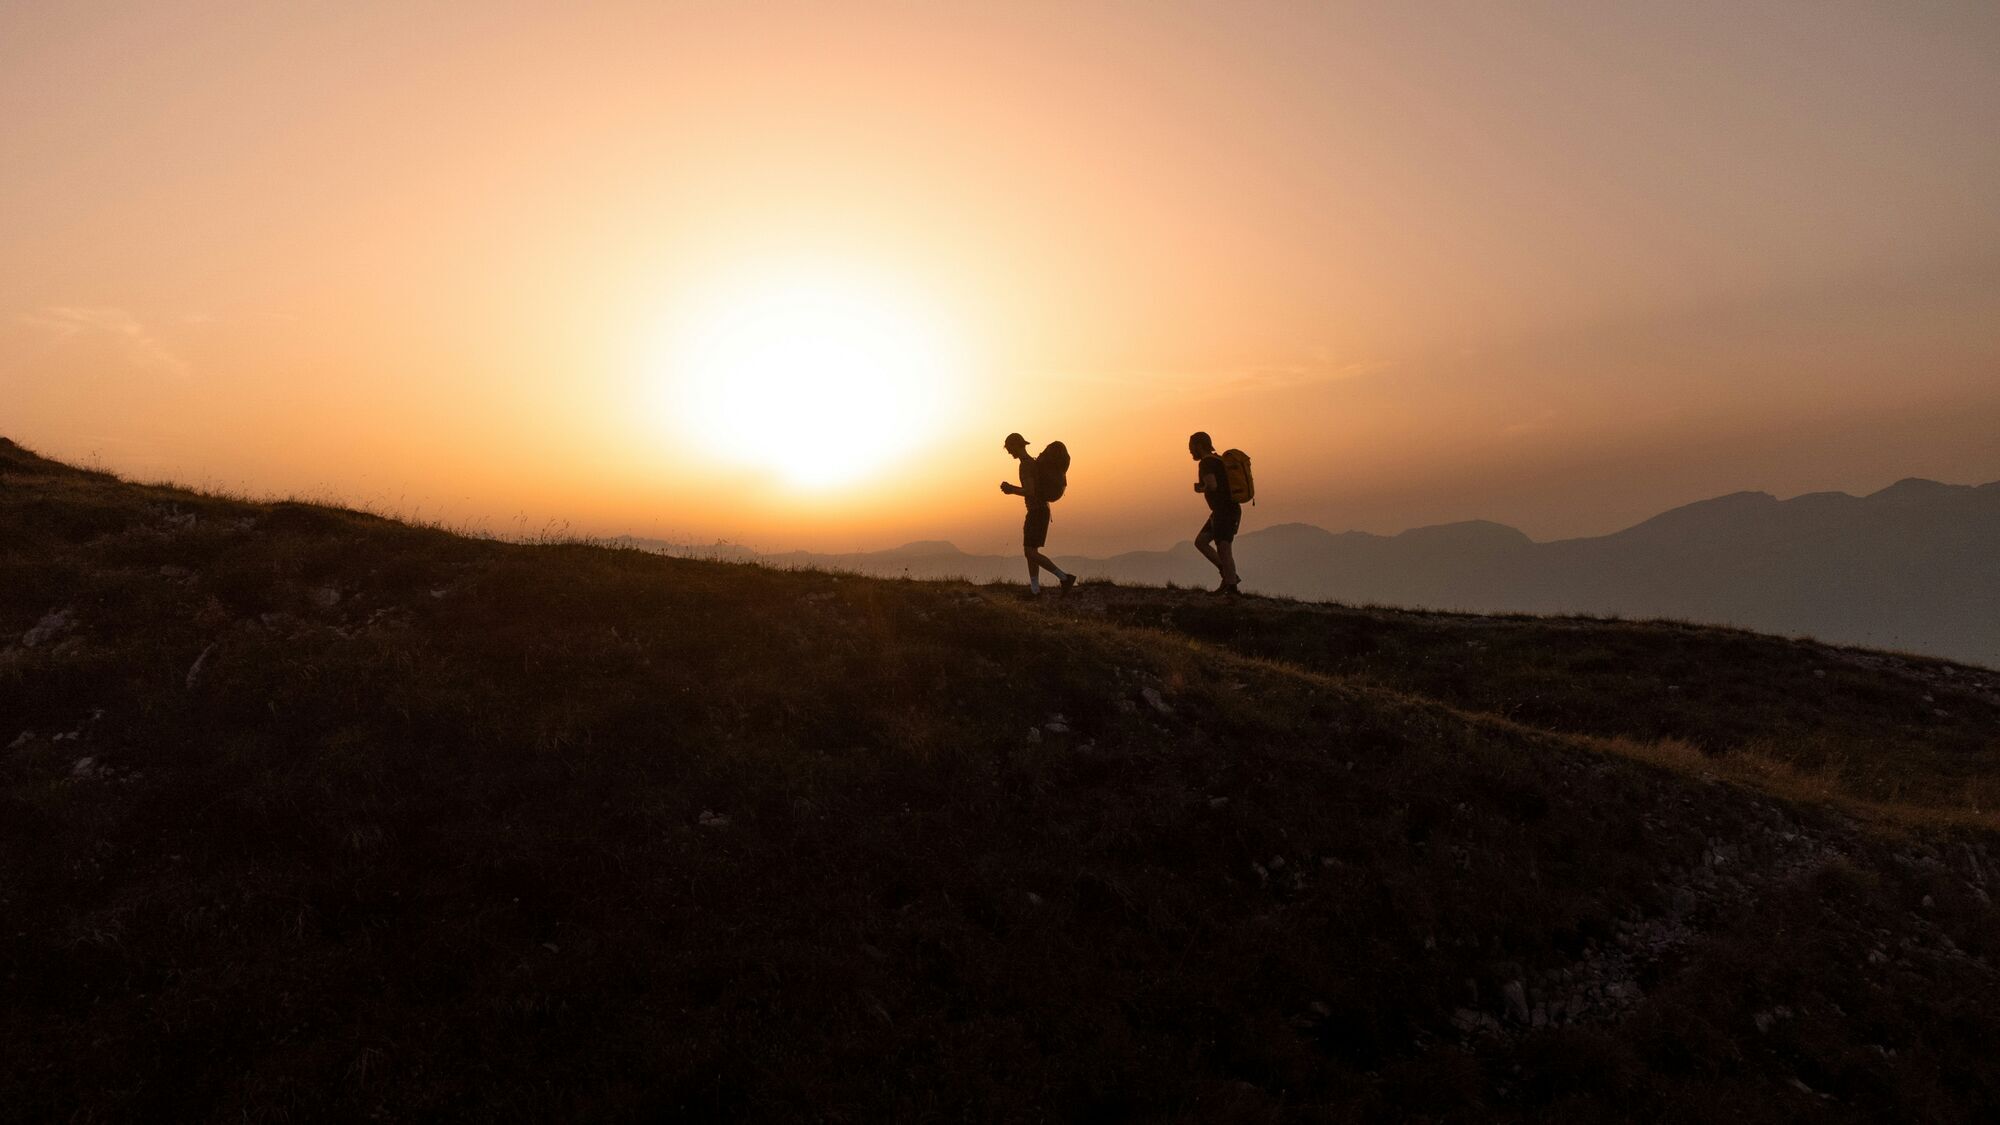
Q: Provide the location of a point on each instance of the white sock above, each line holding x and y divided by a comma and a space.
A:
1060, 573
1034, 583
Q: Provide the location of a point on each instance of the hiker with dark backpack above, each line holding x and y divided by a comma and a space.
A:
1224, 480
1043, 481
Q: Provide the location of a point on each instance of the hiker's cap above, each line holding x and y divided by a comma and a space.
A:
1014, 440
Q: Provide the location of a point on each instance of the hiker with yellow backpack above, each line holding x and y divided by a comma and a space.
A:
1224, 479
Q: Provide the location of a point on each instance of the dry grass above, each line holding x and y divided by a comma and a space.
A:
461, 829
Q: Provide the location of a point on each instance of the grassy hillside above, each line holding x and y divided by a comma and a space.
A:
316, 815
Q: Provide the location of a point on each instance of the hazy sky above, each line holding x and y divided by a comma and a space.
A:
654, 267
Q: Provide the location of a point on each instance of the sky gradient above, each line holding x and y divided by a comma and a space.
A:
1560, 266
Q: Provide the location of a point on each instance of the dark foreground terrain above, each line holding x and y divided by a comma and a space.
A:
306, 814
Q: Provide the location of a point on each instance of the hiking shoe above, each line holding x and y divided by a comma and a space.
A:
1068, 581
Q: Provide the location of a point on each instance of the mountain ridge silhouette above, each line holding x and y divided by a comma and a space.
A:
1907, 566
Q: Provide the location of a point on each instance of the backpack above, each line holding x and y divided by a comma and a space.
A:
1242, 486
1051, 472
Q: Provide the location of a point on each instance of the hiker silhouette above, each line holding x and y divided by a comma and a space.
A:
1217, 539
1037, 494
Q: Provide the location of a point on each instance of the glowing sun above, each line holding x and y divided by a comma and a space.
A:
819, 378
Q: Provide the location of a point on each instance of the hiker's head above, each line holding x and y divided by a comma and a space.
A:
1015, 444
1200, 444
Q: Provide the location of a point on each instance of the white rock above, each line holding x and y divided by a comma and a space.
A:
325, 597
709, 819
84, 769
1154, 700
200, 662
21, 740
1057, 728
52, 625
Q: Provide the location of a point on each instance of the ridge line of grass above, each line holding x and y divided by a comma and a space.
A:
1764, 776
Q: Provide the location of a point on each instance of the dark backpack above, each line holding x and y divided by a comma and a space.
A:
1051, 472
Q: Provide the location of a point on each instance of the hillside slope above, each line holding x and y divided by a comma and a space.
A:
316, 815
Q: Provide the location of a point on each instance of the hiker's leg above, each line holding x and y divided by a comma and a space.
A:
1034, 533
1205, 543
1222, 525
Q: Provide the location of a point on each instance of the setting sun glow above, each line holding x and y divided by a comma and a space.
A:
817, 378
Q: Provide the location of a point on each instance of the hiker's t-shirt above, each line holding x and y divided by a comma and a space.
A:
1215, 484
1031, 493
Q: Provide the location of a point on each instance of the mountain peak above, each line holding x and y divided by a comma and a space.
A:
1917, 488
1677, 521
926, 547
1293, 534
1467, 533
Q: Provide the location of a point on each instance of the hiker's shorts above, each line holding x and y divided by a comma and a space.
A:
1222, 524
1035, 531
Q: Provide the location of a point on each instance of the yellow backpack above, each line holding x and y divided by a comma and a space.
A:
1242, 486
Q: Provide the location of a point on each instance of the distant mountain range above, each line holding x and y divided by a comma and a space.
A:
1915, 566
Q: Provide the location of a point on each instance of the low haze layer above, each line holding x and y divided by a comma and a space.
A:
1909, 567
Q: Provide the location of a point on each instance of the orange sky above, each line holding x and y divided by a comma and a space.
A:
1556, 265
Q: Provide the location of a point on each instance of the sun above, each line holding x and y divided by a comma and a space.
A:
817, 377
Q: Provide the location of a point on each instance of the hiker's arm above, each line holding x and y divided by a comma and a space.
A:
1009, 489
